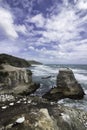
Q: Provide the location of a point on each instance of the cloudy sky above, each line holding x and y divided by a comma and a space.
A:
50, 31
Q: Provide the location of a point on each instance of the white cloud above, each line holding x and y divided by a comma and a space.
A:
82, 4
66, 2
38, 20
7, 23
9, 48
60, 27
21, 28
61, 40
31, 48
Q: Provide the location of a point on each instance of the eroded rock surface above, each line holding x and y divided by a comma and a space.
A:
33, 113
67, 87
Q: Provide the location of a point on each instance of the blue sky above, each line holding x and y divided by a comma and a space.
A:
50, 31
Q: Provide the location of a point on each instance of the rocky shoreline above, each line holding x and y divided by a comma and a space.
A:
35, 113
19, 110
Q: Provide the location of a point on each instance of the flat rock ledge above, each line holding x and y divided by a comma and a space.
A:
33, 113
67, 87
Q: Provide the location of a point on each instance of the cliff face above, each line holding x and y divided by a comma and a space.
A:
13, 76
67, 87
16, 80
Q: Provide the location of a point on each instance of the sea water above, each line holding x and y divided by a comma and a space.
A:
40, 72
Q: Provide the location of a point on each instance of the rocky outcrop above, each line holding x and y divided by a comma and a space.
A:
67, 87
29, 114
16, 80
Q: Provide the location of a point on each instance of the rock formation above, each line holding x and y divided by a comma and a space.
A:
67, 87
16, 80
29, 114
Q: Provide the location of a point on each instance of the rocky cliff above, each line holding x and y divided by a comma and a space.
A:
16, 80
67, 87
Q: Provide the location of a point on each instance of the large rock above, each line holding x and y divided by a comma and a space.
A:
29, 114
16, 80
67, 87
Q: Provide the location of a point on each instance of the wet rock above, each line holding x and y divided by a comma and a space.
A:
67, 87
30, 89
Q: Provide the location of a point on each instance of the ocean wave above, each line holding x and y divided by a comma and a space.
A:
40, 71
81, 104
43, 70
81, 78
79, 71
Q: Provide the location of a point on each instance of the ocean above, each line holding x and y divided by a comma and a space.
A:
42, 71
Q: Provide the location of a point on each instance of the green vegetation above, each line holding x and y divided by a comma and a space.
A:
35, 62
14, 61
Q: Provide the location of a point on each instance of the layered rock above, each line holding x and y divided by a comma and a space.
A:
29, 114
67, 87
16, 80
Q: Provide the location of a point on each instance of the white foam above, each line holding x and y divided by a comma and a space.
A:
81, 77
42, 70
79, 71
61, 101
85, 91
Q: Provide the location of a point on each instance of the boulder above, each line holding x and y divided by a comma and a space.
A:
67, 87
16, 80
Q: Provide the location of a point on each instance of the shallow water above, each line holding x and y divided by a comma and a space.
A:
41, 71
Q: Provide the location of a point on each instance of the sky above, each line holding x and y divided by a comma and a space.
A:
49, 31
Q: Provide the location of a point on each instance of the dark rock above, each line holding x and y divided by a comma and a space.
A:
31, 89
67, 87
47, 77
